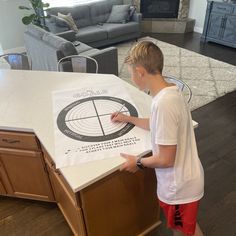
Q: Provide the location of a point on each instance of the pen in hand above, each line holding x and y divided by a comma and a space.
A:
119, 110
117, 113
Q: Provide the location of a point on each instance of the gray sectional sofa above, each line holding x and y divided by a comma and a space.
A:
97, 22
45, 49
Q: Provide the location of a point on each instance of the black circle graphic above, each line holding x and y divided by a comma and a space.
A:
82, 120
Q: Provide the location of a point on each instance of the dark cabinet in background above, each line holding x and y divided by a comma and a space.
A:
220, 23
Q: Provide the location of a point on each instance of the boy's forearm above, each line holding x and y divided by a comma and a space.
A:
157, 162
140, 122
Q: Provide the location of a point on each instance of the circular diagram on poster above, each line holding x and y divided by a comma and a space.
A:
89, 119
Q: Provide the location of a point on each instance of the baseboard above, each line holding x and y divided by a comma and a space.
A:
17, 50
198, 29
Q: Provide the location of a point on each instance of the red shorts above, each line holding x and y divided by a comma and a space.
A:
181, 217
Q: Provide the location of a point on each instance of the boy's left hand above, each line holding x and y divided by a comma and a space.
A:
130, 164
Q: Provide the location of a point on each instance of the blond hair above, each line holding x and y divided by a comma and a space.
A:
148, 55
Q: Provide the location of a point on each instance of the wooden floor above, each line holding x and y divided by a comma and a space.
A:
216, 140
191, 41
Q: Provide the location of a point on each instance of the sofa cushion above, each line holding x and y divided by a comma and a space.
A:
54, 10
56, 25
116, 30
132, 10
117, 2
91, 34
81, 15
69, 20
99, 12
66, 47
119, 14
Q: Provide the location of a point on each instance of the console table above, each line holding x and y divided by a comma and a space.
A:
220, 23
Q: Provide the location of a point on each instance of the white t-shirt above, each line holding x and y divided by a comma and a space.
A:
171, 124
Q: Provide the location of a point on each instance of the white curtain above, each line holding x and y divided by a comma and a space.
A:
57, 3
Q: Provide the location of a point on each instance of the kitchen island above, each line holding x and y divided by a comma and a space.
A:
94, 197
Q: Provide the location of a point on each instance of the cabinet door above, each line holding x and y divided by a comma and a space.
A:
215, 25
67, 204
229, 34
121, 204
24, 174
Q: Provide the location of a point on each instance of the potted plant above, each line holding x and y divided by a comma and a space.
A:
37, 15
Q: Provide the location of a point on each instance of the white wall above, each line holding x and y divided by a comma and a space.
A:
11, 27
197, 11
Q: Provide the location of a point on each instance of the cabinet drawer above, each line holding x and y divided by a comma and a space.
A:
222, 8
18, 140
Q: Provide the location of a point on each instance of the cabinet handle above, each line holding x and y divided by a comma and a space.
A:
223, 22
222, 8
57, 172
52, 165
45, 168
11, 141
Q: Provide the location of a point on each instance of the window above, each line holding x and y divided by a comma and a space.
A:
57, 3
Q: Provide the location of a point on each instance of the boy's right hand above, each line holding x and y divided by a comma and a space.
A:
119, 117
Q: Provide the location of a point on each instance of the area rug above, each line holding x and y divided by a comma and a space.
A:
208, 78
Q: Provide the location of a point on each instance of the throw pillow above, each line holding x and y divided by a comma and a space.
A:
59, 21
119, 14
68, 18
132, 10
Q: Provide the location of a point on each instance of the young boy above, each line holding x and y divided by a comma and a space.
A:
178, 169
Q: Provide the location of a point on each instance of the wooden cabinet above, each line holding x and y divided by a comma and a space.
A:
22, 169
215, 29
119, 204
66, 199
220, 23
229, 33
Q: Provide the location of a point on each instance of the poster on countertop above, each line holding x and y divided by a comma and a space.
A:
83, 130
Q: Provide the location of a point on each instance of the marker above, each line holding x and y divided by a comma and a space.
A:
120, 110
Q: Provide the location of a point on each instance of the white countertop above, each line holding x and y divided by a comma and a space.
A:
26, 105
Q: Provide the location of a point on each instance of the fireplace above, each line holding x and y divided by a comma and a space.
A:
159, 8
165, 16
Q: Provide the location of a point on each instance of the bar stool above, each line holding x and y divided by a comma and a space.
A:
17, 61
183, 86
78, 63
